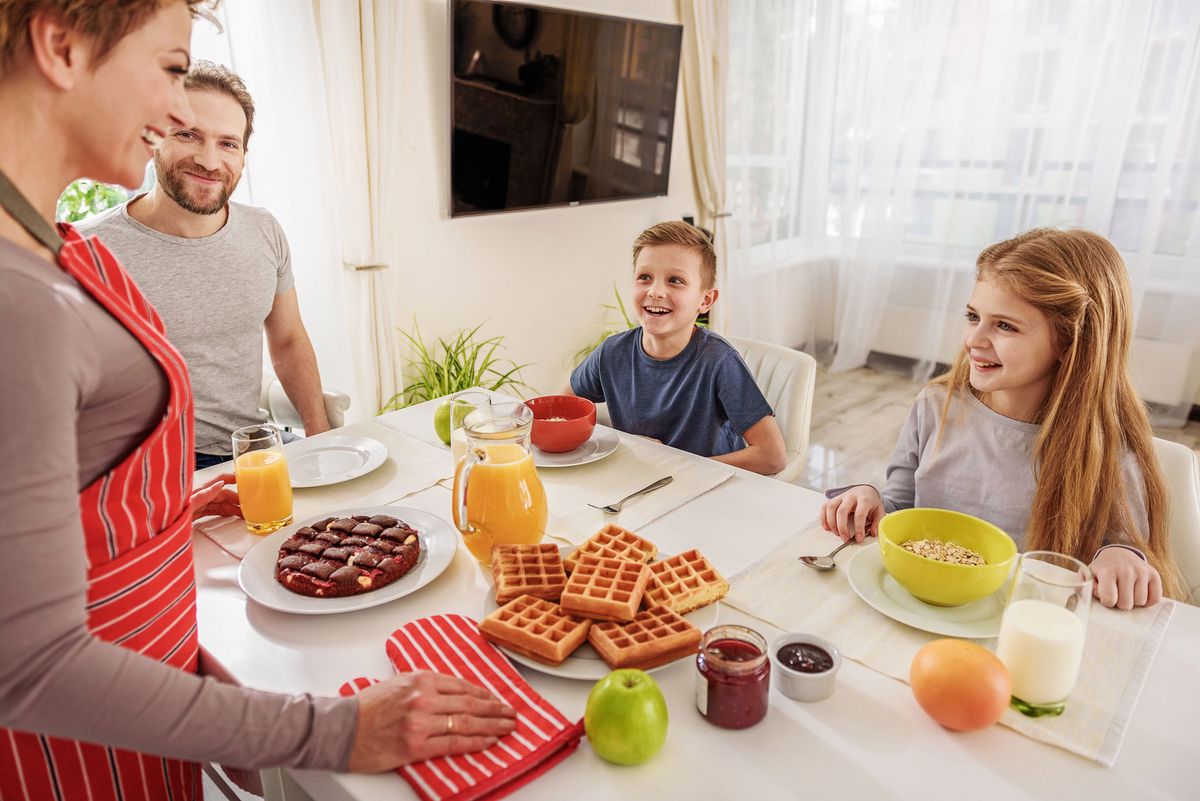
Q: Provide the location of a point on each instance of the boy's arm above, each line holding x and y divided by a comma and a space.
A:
585, 379
764, 453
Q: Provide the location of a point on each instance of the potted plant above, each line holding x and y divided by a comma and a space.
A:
452, 365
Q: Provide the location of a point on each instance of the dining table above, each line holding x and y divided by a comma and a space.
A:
870, 739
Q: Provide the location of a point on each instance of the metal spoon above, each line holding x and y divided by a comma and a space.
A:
825, 562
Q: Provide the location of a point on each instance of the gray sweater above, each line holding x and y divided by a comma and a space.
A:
983, 465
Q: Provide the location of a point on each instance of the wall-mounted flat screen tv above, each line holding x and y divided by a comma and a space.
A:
552, 107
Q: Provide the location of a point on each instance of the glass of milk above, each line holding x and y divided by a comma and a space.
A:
1043, 631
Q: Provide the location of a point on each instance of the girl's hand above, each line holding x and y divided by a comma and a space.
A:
854, 513
214, 499
1125, 580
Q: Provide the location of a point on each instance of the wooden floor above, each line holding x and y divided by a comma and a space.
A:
857, 416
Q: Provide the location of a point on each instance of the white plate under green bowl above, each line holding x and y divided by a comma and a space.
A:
977, 620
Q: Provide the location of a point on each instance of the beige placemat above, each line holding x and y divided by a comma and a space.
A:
636, 463
1117, 657
411, 466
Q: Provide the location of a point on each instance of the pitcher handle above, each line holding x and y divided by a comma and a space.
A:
467, 463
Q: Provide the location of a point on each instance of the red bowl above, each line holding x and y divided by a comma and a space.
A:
561, 423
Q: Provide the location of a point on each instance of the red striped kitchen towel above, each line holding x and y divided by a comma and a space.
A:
452, 644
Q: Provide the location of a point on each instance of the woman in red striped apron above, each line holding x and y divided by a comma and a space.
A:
98, 639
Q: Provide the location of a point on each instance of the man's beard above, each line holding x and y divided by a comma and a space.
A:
173, 181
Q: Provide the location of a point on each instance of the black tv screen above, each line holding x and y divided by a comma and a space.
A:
552, 107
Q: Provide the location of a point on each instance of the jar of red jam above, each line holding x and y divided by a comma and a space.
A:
734, 679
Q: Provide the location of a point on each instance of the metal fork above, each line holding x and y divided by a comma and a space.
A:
614, 508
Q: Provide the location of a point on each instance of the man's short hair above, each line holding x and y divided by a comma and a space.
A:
105, 21
678, 232
210, 77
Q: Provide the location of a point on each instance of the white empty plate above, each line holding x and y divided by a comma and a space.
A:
977, 620
256, 573
602, 442
332, 459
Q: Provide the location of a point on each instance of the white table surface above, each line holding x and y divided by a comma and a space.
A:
870, 740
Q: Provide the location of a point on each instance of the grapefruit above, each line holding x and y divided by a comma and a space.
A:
960, 684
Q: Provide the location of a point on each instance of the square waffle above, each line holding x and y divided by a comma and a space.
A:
685, 582
654, 637
613, 542
536, 628
535, 570
605, 589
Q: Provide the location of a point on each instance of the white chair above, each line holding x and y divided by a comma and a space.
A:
1180, 468
788, 380
282, 413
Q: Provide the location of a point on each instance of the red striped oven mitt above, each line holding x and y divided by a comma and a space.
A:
452, 644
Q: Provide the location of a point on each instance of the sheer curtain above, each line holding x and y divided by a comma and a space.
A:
319, 73
360, 61
875, 146
705, 65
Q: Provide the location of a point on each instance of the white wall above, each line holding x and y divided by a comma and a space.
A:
536, 277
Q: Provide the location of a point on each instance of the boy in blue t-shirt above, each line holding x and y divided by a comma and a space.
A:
671, 380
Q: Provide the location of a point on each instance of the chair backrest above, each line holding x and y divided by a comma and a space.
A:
281, 411
1180, 469
787, 379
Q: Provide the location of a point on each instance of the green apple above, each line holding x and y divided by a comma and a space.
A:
441, 421
626, 717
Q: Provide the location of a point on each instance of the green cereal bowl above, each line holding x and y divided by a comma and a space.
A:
945, 583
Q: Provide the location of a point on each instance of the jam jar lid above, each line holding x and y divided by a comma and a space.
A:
748, 652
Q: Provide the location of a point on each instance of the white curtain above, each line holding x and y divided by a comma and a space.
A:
705, 63
876, 146
360, 54
322, 75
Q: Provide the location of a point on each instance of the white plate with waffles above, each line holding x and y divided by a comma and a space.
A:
603, 442
585, 664
256, 573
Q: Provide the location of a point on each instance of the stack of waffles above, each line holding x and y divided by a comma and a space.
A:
609, 592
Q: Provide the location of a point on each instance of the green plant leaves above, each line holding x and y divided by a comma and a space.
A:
452, 365
85, 197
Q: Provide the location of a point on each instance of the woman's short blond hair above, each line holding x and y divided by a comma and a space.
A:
678, 232
105, 21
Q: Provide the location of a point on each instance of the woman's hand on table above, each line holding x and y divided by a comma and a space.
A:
853, 514
215, 499
423, 715
1125, 580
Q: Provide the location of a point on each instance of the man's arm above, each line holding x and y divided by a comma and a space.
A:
295, 362
764, 453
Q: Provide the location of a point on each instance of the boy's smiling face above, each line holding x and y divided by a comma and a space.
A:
668, 290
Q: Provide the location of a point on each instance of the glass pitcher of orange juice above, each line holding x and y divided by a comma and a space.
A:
263, 483
498, 497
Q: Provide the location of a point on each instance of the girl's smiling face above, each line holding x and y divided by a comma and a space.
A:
1011, 348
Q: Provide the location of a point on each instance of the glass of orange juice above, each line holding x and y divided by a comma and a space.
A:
264, 486
498, 497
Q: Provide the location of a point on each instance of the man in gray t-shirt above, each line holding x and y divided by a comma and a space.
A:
219, 273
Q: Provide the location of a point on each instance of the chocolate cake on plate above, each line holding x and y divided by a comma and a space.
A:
336, 557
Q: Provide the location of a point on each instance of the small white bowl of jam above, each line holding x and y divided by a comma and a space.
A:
805, 666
